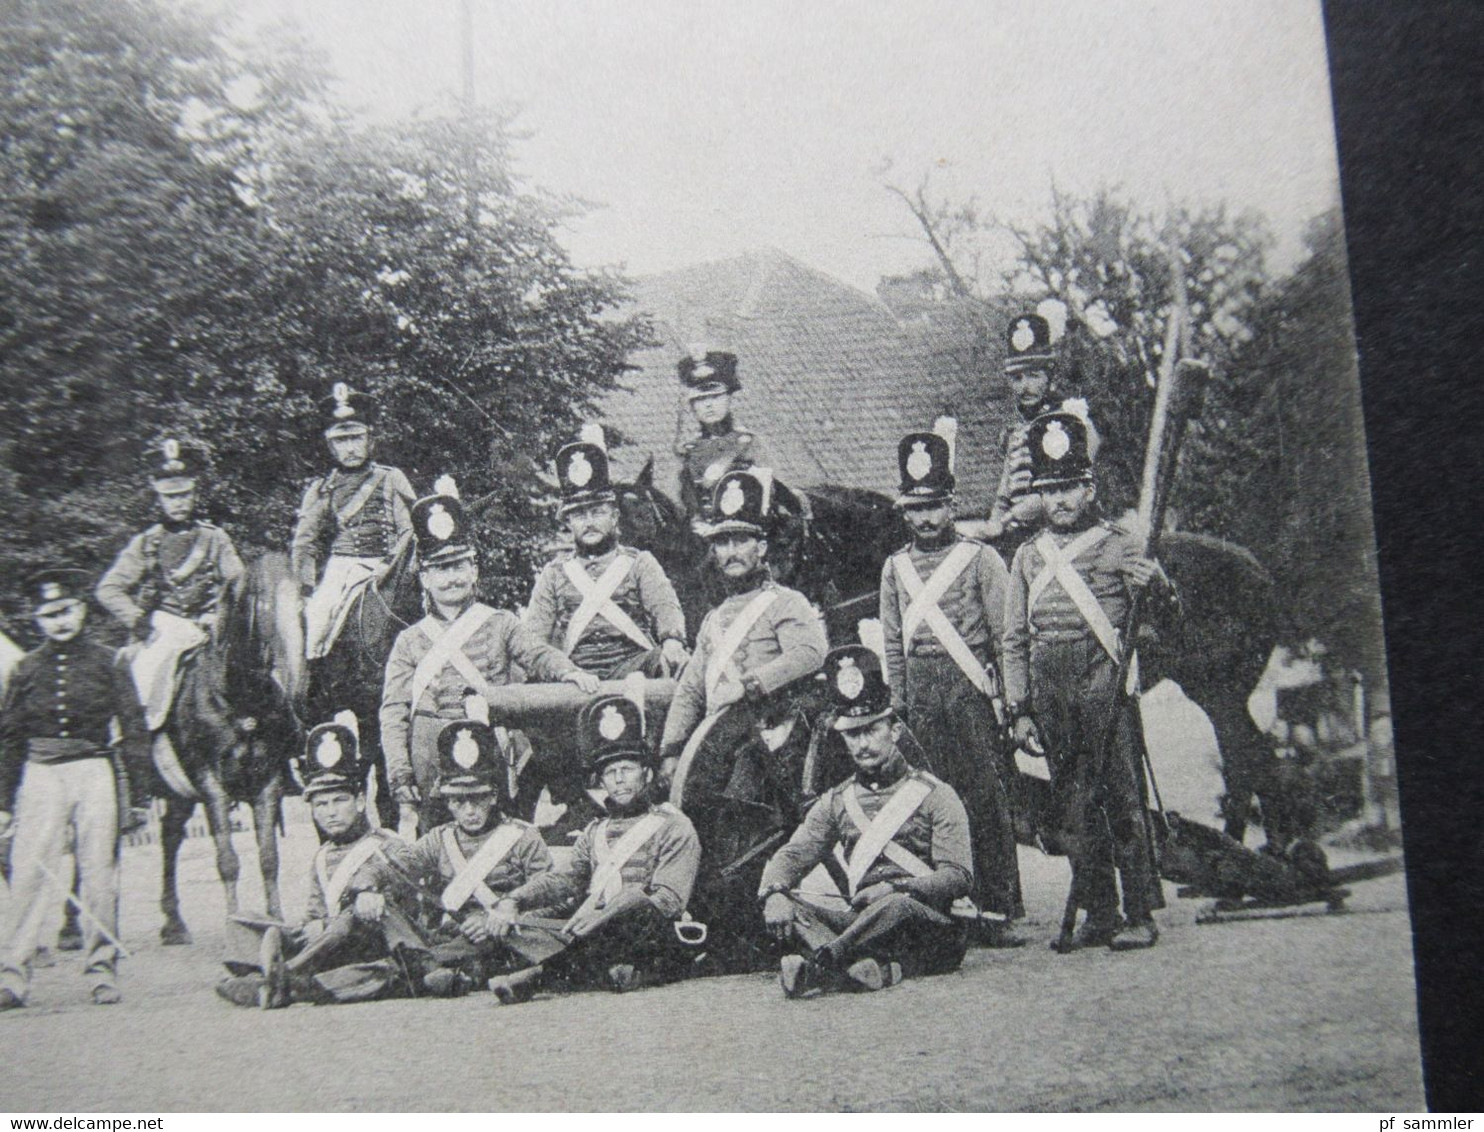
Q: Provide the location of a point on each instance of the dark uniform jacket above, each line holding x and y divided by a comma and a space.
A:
183, 570
378, 498
710, 456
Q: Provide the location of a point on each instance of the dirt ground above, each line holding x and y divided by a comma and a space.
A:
1313, 1013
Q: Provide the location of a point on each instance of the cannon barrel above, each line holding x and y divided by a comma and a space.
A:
553, 708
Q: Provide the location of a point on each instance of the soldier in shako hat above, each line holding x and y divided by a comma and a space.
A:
350, 521
631, 874
62, 704
1069, 592
167, 584
762, 637
942, 610
359, 938
477, 858
708, 380
607, 606
461, 644
905, 837
1034, 369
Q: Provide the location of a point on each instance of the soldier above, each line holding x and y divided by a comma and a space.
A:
604, 604
61, 704
1069, 590
478, 857
359, 939
942, 610
358, 514
904, 839
722, 446
1033, 370
167, 584
462, 644
632, 869
761, 637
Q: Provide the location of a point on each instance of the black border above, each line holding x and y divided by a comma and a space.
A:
1408, 84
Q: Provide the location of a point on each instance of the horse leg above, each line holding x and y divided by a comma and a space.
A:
265, 812
172, 835
219, 817
1248, 763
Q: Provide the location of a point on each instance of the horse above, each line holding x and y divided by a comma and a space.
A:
229, 732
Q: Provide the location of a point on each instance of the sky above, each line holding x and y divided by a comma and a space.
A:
704, 129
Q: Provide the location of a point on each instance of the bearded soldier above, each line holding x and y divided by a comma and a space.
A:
476, 859
762, 636
904, 839
607, 606
710, 382
167, 585
1070, 589
1033, 369
632, 871
350, 520
942, 609
461, 645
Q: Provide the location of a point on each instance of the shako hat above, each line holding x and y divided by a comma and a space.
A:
468, 753
706, 373
173, 466
345, 412
1028, 343
609, 728
332, 756
857, 687
1059, 449
439, 526
742, 502
925, 461
52, 588
582, 471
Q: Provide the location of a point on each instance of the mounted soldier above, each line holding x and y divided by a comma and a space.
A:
709, 382
761, 637
1034, 370
902, 837
461, 645
609, 607
166, 587
359, 938
476, 859
631, 873
1070, 589
942, 614
350, 520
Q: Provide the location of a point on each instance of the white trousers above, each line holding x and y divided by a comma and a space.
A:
325, 609
157, 662
51, 796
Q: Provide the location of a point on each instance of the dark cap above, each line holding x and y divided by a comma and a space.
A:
332, 757
925, 461
1059, 449
468, 759
439, 526
609, 728
174, 466
53, 588
1028, 343
582, 471
858, 689
715, 371
346, 412
742, 503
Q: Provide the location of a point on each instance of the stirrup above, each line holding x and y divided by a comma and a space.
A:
690, 932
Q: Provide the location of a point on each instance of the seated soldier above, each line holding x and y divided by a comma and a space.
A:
359, 939
475, 859
633, 871
903, 837
604, 604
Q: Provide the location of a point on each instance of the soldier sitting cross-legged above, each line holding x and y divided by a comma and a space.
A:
903, 838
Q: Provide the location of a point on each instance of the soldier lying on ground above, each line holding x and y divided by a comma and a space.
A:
633, 871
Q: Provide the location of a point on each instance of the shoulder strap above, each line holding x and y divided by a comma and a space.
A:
922, 608
194, 557
877, 833
735, 634
359, 853
597, 600
357, 502
448, 648
607, 878
1059, 568
470, 873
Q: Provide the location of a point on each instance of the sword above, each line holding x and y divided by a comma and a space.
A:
82, 909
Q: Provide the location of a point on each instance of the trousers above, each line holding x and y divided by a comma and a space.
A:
325, 609
896, 927
156, 663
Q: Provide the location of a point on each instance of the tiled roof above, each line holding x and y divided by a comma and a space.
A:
831, 378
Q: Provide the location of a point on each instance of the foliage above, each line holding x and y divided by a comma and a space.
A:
194, 243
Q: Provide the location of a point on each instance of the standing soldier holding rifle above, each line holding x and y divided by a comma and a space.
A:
1070, 587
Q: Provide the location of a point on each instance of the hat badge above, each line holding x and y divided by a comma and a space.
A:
732, 498
1056, 443
465, 749
440, 523
919, 462
51, 591
611, 723
341, 393
579, 469
850, 680
329, 752
704, 369
1023, 337
173, 462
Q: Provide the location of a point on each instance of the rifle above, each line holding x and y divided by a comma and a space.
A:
1178, 398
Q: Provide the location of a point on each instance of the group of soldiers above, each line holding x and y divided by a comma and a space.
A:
979, 659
